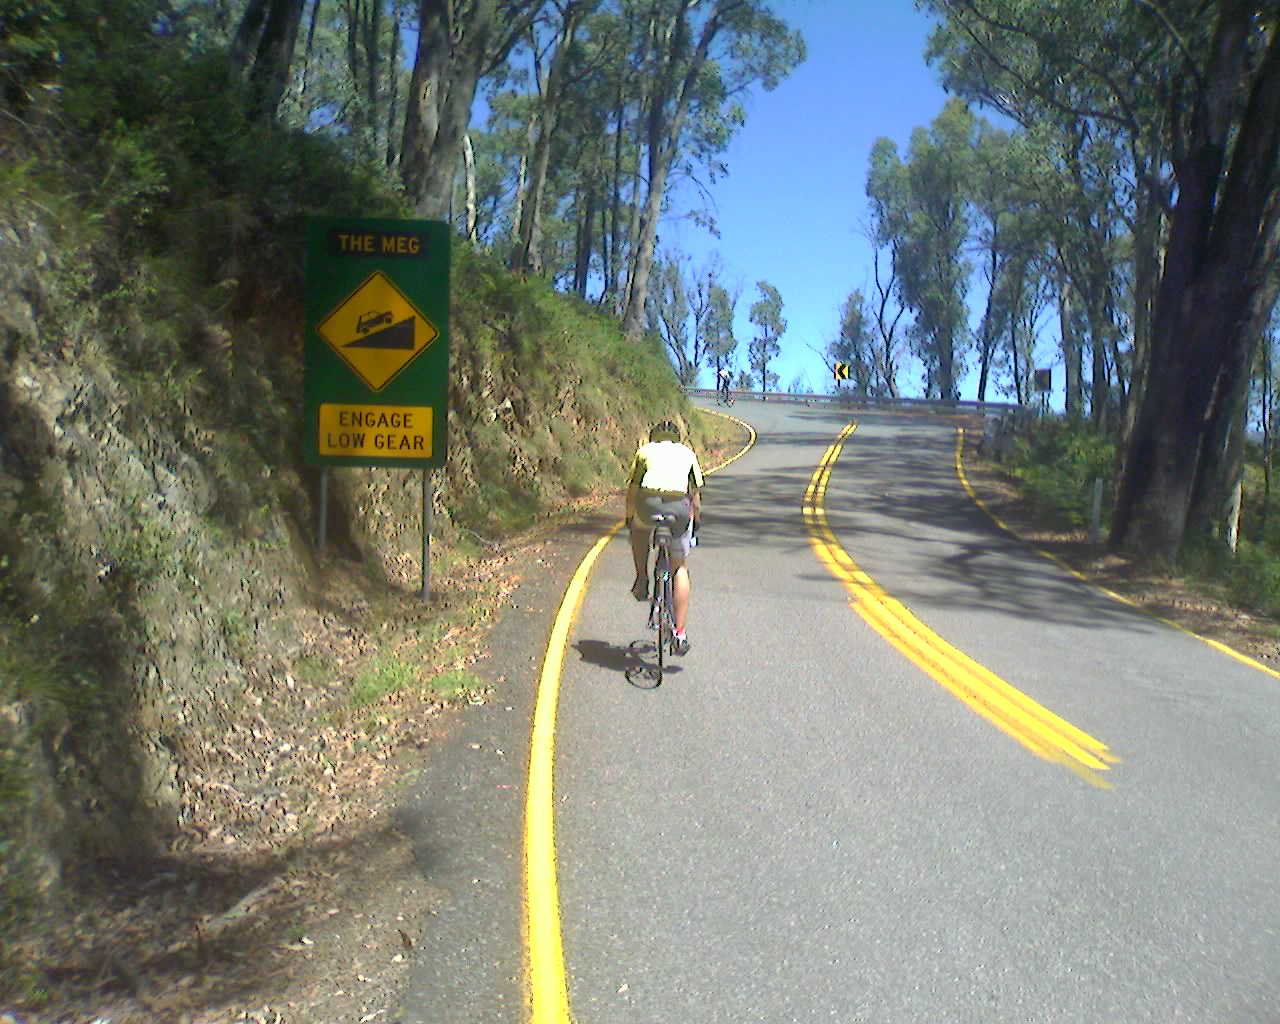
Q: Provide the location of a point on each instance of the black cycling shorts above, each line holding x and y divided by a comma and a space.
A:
649, 504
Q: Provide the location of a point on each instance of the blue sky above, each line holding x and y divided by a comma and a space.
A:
792, 207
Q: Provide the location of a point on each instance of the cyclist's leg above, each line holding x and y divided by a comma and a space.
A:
681, 544
641, 538
680, 588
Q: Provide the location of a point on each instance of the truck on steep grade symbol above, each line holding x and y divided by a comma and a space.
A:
368, 321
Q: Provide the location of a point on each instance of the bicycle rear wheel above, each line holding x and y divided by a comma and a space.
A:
664, 622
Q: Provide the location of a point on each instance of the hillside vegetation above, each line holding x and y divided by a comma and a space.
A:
180, 675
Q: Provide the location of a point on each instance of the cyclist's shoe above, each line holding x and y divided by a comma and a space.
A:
680, 643
640, 589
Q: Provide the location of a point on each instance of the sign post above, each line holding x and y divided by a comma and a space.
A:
1043, 385
377, 349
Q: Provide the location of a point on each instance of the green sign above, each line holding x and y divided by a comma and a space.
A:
377, 342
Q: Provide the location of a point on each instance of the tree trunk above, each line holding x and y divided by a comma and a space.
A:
392, 153
304, 83
274, 25
1067, 321
985, 341
452, 56
469, 170
446, 72
611, 233
586, 223
1220, 248
1221, 468
247, 33
1147, 231
667, 113
1101, 330
528, 253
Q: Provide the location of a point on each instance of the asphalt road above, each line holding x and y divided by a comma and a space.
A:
802, 824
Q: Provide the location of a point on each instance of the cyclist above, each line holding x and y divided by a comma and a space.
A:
723, 383
665, 479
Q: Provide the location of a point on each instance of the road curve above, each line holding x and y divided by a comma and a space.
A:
803, 824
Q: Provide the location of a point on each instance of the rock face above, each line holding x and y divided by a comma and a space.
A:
160, 595
132, 601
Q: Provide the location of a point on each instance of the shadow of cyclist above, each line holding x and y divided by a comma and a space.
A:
636, 661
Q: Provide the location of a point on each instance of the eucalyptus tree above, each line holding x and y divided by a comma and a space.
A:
262, 50
1090, 241
720, 345
766, 314
697, 59
712, 308
459, 42
996, 212
1021, 298
887, 310
1193, 91
554, 54
668, 316
596, 154
855, 345
349, 78
922, 205
1012, 236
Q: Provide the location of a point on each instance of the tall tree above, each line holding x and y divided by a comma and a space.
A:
459, 41
721, 345
1193, 89
887, 311
669, 316
698, 59
766, 314
263, 47
855, 345
712, 308
552, 85
922, 205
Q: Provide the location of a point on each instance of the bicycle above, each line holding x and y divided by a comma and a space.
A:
662, 607
724, 397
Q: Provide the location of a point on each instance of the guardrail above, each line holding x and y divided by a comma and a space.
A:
859, 402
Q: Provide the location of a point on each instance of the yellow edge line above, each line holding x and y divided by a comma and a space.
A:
1217, 645
751, 438
1025, 720
548, 985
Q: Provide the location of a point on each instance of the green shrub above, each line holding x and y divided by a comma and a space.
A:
1058, 463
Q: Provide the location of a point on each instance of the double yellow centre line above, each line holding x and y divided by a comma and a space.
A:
1031, 724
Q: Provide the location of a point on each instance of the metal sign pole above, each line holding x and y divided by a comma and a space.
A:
426, 534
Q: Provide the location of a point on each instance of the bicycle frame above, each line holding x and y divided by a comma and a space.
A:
662, 604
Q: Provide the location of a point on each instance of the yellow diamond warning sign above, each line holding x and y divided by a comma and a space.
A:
377, 331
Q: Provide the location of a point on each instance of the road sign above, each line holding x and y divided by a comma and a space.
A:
377, 331
1044, 380
376, 346
840, 371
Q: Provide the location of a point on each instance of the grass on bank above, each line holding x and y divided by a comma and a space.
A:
1057, 465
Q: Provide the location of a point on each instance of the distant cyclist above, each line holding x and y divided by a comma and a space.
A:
665, 479
723, 384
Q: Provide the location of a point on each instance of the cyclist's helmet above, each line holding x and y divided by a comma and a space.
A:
665, 431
